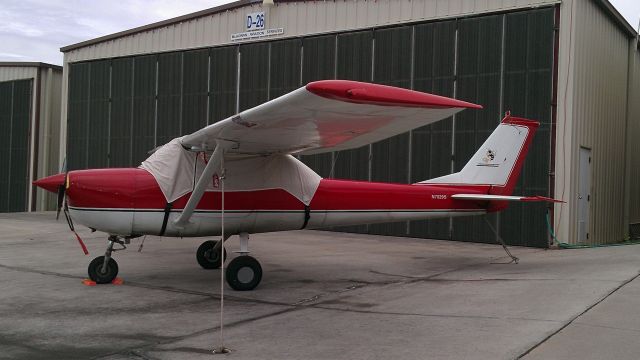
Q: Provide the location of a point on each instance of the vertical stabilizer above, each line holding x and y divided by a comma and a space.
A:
498, 162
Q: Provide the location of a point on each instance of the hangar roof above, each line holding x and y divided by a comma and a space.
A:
159, 24
29, 64
609, 9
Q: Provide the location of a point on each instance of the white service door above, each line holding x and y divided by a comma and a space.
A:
584, 194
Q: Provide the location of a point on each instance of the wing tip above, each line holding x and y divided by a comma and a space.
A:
376, 94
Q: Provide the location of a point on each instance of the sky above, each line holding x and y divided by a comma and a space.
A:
35, 30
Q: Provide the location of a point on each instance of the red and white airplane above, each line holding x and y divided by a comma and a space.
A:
239, 176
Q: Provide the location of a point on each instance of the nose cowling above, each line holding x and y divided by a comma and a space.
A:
51, 183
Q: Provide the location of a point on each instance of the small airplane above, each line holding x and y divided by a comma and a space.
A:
239, 176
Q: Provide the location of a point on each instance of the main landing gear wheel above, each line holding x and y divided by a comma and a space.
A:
103, 273
244, 273
207, 257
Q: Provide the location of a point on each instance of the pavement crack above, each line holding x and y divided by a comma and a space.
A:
607, 327
448, 316
141, 356
395, 275
41, 272
572, 320
137, 350
202, 293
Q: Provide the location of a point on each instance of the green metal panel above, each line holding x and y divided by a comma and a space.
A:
431, 146
527, 82
318, 63
355, 56
254, 74
77, 116
354, 63
6, 102
390, 157
21, 116
223, 83
120, 139
144, 107
320, 163
168, 124
355, 52
479, 74
319, 58
194, 93
98, 119
284, 70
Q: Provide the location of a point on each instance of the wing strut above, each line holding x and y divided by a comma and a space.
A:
213, 165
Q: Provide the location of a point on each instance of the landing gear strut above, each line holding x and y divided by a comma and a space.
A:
104, 269
243, 273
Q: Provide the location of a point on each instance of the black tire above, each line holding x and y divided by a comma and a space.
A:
95, 270
244, 273
207, 258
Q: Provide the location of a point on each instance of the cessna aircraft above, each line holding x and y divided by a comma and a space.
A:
239, 176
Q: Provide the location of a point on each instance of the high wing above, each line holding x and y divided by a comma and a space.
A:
325, 116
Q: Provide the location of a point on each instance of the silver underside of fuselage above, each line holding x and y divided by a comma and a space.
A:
128, 222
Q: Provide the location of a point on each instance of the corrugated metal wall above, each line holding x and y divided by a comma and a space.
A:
42, 149
598, 92
8, 73
15, 116
501, 61
297, 18
48, 149
633, 146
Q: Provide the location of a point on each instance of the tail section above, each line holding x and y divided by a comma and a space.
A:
499, 160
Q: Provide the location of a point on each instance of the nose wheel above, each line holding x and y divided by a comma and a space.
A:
100, 273
104, 269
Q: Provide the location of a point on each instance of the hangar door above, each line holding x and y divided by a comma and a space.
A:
15, 113
119, 109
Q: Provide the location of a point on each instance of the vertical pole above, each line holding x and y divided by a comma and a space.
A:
503, 48
133, 99
412, 67
222, 254
13, 88
372, 77
88, 121
208, 87
109, 114
269, 72
155, 104
238, 60
453, 120
222, 349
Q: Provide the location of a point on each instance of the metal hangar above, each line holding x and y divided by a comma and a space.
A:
573, 65
29, 133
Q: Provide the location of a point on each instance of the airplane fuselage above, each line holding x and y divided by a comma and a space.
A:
129, 202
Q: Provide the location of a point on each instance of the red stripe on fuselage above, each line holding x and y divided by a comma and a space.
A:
137, 189
362, 195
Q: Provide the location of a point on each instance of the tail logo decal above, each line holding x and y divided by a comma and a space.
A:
488, 158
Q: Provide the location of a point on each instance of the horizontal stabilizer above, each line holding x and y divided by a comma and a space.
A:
484, 197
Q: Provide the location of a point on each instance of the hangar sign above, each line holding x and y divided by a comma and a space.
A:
255, 28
